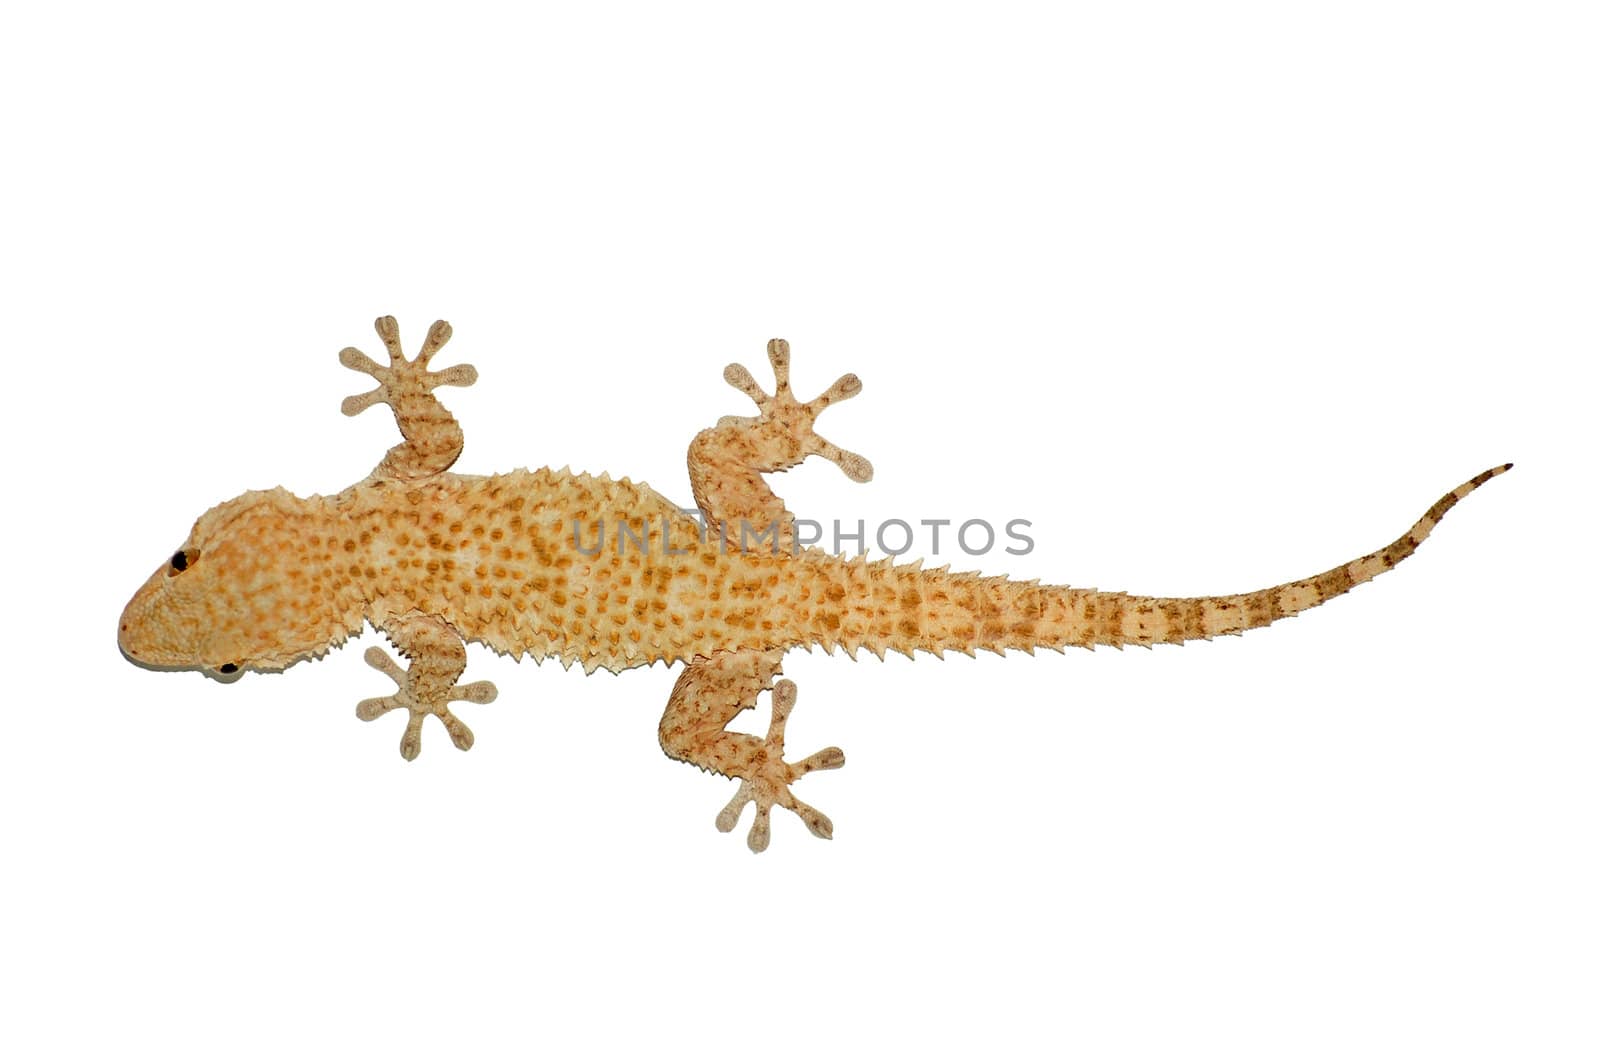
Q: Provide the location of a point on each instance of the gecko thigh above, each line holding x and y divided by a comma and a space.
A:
710, 693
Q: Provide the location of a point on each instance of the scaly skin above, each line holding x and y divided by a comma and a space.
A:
516, 562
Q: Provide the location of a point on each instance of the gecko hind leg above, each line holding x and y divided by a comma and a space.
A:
429, 685
726, 462
711, 692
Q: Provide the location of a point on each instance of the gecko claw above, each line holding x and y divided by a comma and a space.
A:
480, 693
793, 418
767, 782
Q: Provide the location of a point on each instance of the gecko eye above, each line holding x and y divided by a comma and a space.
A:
181, 560
229, 669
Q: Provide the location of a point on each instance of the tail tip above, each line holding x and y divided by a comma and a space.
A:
1480, 480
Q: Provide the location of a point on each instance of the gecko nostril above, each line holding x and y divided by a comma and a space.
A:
228, 669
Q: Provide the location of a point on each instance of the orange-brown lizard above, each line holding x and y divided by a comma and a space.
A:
516, 562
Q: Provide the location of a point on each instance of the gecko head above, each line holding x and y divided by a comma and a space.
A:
245, 590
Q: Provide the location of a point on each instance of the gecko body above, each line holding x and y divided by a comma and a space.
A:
610, 574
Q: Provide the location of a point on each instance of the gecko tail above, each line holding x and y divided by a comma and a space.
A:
907, 608
1089, 618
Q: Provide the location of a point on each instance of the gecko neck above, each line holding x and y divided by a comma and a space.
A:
335, 577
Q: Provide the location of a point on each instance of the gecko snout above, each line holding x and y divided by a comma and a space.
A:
126, 641
148, 639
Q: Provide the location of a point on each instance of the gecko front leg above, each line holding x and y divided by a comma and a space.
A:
433, 438
438, 658
709, 694
726, 463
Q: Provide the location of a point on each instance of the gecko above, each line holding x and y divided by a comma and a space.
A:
515, 561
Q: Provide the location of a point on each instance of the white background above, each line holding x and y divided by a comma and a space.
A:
1216, 295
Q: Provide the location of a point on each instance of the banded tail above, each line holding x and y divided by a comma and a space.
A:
907, 608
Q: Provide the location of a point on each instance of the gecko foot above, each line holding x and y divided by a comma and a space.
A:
402, 378
766, 782
481, 693
793, 419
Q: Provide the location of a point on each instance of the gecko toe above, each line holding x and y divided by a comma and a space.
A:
460, 734
760, 830
728, 819
814, 820
411, 741
821, 761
